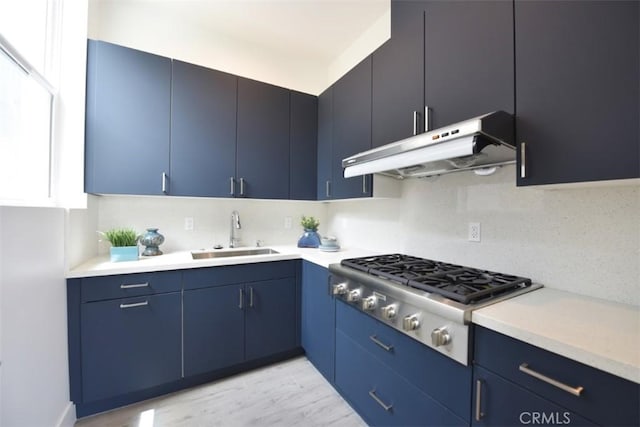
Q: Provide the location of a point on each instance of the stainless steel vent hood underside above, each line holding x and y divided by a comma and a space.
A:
482, 142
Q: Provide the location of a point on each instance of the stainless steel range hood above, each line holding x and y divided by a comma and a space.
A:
482, 142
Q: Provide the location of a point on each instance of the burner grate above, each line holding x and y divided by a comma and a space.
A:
463, 284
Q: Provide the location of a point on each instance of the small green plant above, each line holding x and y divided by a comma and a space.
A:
120, 237
309, 223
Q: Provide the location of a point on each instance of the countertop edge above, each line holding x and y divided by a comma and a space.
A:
619, 361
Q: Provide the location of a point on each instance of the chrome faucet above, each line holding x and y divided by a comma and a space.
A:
234, 240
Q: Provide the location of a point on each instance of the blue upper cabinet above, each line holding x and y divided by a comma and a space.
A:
398, 76
262, 157
469, 59
127, 121
325, 131
303, 143
203, 131
577, 81
351, 129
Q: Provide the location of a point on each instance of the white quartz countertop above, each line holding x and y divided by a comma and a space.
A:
101, 266
598, 333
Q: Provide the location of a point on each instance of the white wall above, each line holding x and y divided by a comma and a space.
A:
158, 28
583, 240
260, 219
34, 383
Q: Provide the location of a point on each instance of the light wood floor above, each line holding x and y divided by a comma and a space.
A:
290, 393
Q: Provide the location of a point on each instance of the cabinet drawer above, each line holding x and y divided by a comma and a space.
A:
601, 392
423, 367
380, 395
243, 273
129, 285
498, 402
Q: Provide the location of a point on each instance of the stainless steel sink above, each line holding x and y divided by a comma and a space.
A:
233, 253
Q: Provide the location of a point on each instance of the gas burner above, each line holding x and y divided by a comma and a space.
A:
463, 284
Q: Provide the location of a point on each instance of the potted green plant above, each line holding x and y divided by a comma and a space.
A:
310, 238
124, 244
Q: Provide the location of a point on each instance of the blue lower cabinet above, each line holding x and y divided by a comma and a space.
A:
318, 319
213, 320
130, 344
498, 402
380, 395
270, 317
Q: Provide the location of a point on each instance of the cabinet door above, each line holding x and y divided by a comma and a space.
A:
469, 59
303, 146
262, 167
270, 317
577, 85
213, 328
318, 319
127, 120
203, 131
130, 344
499, 402
351, 129
325, 137
398, 76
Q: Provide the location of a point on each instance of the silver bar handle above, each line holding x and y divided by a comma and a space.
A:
250, 296
479, 413
242, 186
427, 118
164, 182
364, 184
576, 391
380, 343
232, 190
328, 188
523, 160
241, 303
134, 285
135, 304
415, 122
373, 395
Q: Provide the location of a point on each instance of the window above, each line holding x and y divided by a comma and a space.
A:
27, 65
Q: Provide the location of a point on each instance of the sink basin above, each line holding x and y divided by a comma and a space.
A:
232, 253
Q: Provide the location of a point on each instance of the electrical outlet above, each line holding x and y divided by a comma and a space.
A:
474, 231
287, 222
188, 223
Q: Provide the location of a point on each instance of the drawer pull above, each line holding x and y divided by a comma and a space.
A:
135, 304
479, 413
373, 395
241, 301
250, 297
576, 391
134, 285
380, 343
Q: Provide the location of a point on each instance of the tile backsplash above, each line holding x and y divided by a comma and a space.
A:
583, 240
260, 219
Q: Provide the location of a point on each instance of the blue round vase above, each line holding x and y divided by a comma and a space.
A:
309, 239
151, 239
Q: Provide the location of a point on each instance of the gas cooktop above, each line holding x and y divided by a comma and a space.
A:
463, 284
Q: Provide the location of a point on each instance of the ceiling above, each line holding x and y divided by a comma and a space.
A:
322, 29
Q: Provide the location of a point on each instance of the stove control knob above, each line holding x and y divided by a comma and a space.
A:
440, 337
389, 312
369, 303
339, 289
353, 295
410, 323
